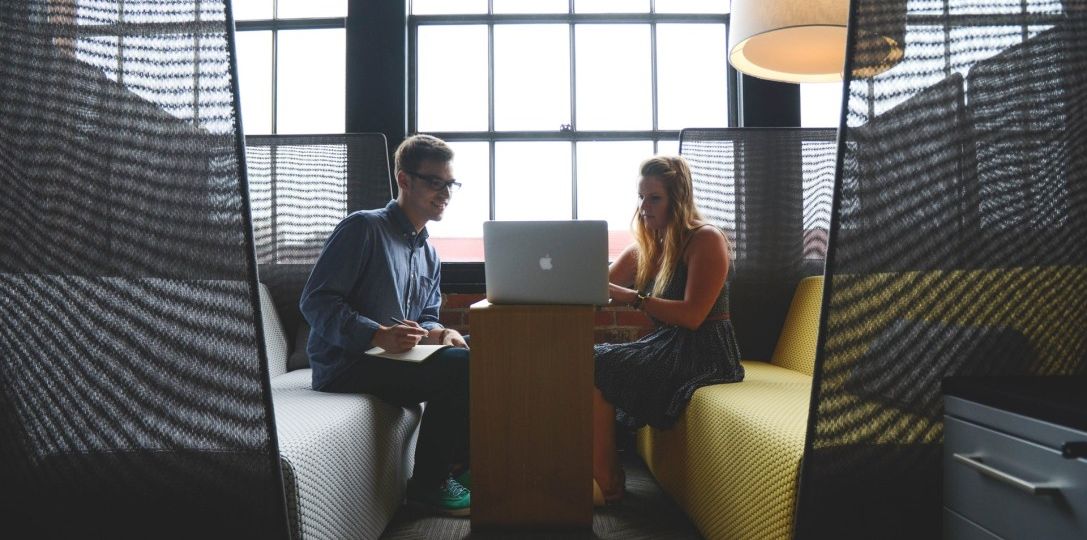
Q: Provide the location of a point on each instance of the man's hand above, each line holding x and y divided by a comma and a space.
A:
398, 338
452, 337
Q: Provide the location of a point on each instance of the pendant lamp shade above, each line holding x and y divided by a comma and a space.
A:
800, 41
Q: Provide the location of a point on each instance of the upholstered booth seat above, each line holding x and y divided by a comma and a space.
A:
732, 460
299, 379
345, 458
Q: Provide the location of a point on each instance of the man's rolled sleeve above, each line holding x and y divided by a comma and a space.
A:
324, 300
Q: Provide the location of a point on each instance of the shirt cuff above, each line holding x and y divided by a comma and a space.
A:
365, 331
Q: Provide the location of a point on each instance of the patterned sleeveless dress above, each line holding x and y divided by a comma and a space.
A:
650, 381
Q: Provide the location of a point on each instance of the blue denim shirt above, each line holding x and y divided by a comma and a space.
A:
374, 266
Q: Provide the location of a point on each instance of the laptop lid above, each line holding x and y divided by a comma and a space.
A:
546, 262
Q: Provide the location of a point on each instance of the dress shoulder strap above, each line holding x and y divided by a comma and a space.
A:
691, 235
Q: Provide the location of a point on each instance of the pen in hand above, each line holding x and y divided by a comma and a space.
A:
404, 323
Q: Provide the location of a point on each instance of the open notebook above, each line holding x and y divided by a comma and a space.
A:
417, 353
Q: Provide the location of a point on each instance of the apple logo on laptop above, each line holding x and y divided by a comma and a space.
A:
545, 262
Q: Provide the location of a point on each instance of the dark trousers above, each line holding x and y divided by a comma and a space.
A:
442, 382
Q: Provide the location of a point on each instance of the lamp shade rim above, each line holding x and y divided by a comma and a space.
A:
734, 36
767, 54
800, 41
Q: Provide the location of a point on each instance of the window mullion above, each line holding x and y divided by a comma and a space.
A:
490, 153
275, 66
291, 24
573, 118
573, 74
413, 78
275, 79
490, 105
490, 77
573, 179
653, 73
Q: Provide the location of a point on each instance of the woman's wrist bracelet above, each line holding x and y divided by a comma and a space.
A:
639, 299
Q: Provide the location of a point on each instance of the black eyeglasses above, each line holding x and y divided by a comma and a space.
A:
435, 183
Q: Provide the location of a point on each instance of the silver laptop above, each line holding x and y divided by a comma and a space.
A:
546, 262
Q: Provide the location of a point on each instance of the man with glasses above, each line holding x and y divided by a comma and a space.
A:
376, 284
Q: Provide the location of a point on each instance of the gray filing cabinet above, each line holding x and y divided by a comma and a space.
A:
1015, 458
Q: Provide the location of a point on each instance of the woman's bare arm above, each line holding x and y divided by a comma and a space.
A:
622, 269
707, 269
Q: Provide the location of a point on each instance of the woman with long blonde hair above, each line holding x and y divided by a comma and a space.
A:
675, 272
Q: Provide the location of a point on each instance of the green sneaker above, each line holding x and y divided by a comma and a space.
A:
449, 498
465, 479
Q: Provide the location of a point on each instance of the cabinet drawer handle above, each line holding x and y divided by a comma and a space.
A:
975, 462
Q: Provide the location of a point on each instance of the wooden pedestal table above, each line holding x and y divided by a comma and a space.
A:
531, 414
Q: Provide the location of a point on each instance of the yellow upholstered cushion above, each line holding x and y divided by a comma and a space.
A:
795, 348
731, 462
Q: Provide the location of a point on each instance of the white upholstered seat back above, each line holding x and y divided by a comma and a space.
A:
274, 340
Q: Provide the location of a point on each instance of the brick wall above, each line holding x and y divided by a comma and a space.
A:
613, 324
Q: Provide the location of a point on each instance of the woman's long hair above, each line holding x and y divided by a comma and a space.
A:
665, 247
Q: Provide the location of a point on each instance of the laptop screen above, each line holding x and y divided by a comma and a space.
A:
546, 262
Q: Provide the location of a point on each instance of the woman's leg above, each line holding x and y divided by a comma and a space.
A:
606, 470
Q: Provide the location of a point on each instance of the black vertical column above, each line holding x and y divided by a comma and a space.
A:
377, 72
377, 78
768, 103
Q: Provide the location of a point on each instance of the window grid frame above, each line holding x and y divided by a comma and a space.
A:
275, 25
571, 135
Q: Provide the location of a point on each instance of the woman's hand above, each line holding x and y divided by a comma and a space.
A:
452, 337
621, 295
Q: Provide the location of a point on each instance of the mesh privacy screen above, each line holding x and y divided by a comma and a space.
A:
957, 244
133, 386
770, 189
302, 186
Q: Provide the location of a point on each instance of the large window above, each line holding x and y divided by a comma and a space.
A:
820, 104
551, 105
291, 65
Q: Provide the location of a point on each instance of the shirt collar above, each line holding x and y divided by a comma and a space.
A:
400, 219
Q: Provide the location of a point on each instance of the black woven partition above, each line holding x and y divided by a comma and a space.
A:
301, 187
957, 246
770, 188
134, 397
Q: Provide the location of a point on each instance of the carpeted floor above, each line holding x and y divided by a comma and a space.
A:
645, 513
